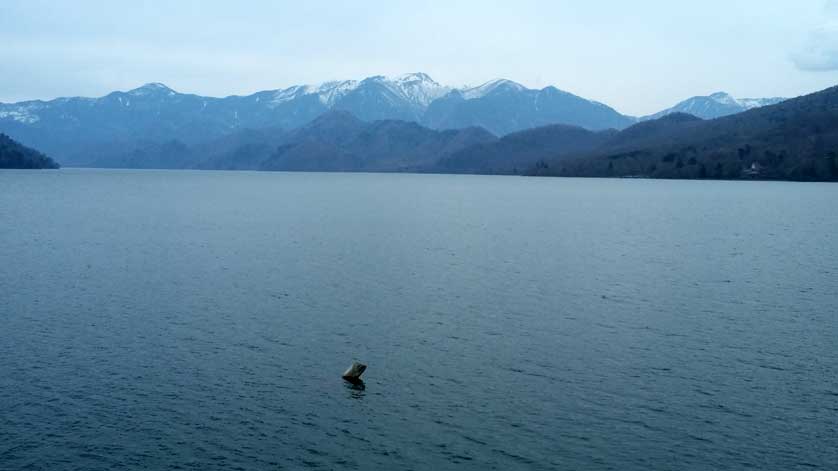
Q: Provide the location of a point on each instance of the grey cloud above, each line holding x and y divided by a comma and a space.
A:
820, 51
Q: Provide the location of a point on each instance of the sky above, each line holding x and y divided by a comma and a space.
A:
637, 56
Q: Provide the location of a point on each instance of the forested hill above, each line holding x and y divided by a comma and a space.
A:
16, 155
793, 140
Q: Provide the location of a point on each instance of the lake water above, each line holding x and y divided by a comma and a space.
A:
201, 320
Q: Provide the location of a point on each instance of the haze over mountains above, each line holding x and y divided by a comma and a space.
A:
147, 125
412, 123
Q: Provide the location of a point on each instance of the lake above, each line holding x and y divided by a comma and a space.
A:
202, 320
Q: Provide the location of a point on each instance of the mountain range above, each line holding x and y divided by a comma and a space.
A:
153, 126
335, 141
411, 123
338, 141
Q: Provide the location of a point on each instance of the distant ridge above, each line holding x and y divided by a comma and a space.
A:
715, 106
336, 141
517, 152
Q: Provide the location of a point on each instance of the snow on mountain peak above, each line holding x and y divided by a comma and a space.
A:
724, 98
155, 86
716, 105
419, 88
416, 88
330, 92
21, 114
415, 77
750, 103
745, 103
489, 87
152, 88
327, 92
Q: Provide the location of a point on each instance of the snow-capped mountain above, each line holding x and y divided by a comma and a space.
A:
415, 88
403, 97
83, 131
156, 89
80, 131
22, 113
497, 85
419, 89
504, 106
716, 105
327, 93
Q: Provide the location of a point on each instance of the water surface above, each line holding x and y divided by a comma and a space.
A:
201, 320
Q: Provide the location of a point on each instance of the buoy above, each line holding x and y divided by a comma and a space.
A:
354, 372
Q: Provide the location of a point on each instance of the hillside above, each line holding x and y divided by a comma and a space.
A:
519, 151
335, 141
338, 141
16, 155
503, 107
795, 140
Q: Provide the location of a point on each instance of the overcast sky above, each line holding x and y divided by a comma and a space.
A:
638, 56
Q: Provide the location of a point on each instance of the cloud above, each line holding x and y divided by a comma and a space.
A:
820, 51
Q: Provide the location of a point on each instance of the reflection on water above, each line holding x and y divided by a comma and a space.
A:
356, 389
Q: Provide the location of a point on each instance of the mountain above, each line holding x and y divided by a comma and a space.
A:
339, 141
15, 155
153, 126
521, 150
334, 141
404, 98
102, 131
87, 131
715, 106
83, 131
244, 149
503, 106
796, 139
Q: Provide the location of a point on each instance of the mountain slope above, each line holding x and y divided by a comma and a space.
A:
503, 106
84, 130
338, 141
796, 139
521, 150
15, 155
244, 149
715, 106
403, 98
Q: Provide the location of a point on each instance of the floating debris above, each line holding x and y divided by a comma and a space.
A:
354, 372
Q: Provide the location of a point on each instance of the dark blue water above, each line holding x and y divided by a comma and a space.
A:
201, 320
